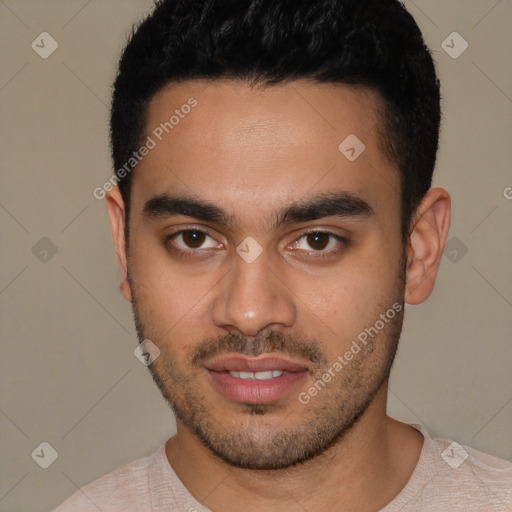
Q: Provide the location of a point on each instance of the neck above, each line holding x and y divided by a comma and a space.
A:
362, 472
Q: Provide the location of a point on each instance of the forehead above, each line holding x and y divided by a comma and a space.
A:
256, 147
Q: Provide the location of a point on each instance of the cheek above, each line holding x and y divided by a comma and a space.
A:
351, 296
335, 308
170, 298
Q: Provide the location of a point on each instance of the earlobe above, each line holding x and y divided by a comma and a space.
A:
426, 244
117, 213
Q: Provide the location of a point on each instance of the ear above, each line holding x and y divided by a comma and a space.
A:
430, 226
117, 213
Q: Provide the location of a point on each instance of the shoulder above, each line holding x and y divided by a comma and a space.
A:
462, 461
124, 489
453, 476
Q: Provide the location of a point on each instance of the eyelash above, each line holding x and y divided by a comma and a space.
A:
320, 254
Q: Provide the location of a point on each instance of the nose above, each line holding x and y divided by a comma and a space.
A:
252, 298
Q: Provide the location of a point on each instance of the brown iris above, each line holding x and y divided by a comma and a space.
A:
318, 241
193, 239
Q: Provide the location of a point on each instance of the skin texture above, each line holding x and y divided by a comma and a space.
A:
252, 151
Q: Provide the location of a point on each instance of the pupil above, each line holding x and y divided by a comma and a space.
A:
316, 239
193, 239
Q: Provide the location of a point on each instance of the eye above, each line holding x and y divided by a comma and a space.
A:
320, 242
188, 240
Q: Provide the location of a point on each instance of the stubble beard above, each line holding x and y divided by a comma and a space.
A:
253, 439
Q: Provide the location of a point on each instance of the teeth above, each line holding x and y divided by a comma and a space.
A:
263, 375
267, 375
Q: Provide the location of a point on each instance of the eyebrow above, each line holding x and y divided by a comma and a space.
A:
341, 204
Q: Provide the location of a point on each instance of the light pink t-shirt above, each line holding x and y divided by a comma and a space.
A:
448, 477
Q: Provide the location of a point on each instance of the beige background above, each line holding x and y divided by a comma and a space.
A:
68, 373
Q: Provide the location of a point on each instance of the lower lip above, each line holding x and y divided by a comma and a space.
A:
255, 391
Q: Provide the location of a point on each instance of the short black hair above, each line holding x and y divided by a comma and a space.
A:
371, 43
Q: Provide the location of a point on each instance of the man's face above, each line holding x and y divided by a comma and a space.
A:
285, 295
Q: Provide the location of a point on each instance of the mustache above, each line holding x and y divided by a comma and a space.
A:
303, 347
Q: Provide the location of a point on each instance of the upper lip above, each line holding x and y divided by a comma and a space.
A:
262, 363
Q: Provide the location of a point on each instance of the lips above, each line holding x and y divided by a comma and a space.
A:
252, 380
267, 362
